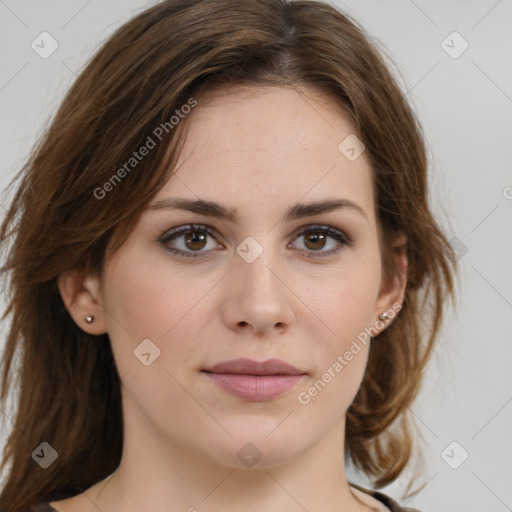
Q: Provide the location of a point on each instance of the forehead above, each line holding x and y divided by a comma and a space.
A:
266, 146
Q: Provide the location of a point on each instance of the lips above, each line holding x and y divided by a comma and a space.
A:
250, 367
253, 380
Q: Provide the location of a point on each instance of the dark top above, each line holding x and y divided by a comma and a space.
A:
386, 500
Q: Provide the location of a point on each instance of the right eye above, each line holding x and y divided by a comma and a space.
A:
193, 238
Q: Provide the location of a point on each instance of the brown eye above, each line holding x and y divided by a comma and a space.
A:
315, 241
191, 240
195, 240
316, 238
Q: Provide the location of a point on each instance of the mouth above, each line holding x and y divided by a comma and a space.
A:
255, 381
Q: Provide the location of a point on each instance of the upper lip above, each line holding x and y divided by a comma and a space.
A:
250, 367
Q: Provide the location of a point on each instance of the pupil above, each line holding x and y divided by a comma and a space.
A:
317, 239
194, 238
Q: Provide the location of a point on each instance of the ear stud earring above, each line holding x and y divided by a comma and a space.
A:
384, 317
89, 319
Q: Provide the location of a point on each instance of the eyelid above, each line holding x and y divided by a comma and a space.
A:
332, 232
326, 229
175, 232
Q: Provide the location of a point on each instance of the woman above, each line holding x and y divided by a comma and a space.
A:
225, 277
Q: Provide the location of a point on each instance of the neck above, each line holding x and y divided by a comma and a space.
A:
176, 479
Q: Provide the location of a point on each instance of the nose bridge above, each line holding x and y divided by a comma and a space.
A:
258, 262
261, 295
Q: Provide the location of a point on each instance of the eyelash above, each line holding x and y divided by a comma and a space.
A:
175, 233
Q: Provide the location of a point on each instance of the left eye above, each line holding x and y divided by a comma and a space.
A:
194, 237
316, 237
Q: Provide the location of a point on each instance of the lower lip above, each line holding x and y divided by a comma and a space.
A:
255, 387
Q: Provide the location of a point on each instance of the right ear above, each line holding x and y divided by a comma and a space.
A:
81, 298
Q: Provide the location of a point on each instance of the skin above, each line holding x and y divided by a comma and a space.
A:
259, 150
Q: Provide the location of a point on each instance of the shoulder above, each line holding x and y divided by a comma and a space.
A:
43, 506
391, 504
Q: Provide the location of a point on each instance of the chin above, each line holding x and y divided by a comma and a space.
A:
257, 450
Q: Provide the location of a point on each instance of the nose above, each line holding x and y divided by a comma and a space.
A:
257, 296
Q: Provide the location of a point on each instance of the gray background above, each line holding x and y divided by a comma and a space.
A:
465, 106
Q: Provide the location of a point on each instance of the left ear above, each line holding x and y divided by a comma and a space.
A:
392, 290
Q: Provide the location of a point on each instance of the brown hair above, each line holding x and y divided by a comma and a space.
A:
69, 388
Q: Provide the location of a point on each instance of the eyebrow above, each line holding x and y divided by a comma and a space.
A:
216, 210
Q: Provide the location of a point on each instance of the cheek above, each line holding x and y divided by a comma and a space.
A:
345, 299
341, 353
147, 302
144, 301
345, 305
147, 298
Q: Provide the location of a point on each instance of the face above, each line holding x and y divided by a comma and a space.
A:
189, 289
